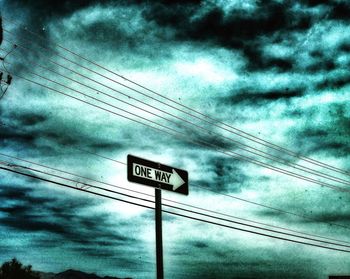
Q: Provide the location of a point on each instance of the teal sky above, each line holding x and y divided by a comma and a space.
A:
278, 70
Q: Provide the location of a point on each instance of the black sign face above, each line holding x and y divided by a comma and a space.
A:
157, 175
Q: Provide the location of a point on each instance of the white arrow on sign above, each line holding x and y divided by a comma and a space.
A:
176, 180
173, 178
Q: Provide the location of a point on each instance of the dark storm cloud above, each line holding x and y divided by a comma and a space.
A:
274, 40
263, 97
39, 130
59, 217
31, 119
345, 47
25, 140
206, 138
331, 62
108, 33
243, 262
236, 29
333, 217
331, 137
199, 244
273, 214
317, 215
13, 193
21, 214
24, 120
331, 145
281, 64
321, 62
195, 21
313, 3
334, 82
227, 29
340, 10
42, 11
38, 15
222, 174
28, 138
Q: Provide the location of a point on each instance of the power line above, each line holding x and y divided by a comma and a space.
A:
179, 208
233, 197
250, 159
182, 135
182, 215
242, 157
249, 201
270, 156
313, 171
192, 185
123, 188
347, 251
245, 135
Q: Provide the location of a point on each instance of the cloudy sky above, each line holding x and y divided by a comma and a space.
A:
278, 70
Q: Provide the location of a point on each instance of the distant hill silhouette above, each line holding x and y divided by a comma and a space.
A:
14, 269
74, 274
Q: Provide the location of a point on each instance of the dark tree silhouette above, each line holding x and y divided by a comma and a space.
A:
15, 270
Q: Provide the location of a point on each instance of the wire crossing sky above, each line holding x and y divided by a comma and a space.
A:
84, 185
319, 243
249, 97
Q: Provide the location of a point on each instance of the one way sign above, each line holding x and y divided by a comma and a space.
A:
157, 175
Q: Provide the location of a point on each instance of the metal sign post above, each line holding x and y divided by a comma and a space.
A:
159, 234
161, 177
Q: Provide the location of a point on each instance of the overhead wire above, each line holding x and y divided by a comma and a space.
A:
138, 192
189, 217
250, 147
178, 134
230, 195
175, 207
192, 185
269, 156
270, 167
198, 142
245, 135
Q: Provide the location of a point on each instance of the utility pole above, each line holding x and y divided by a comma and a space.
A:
4, 85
